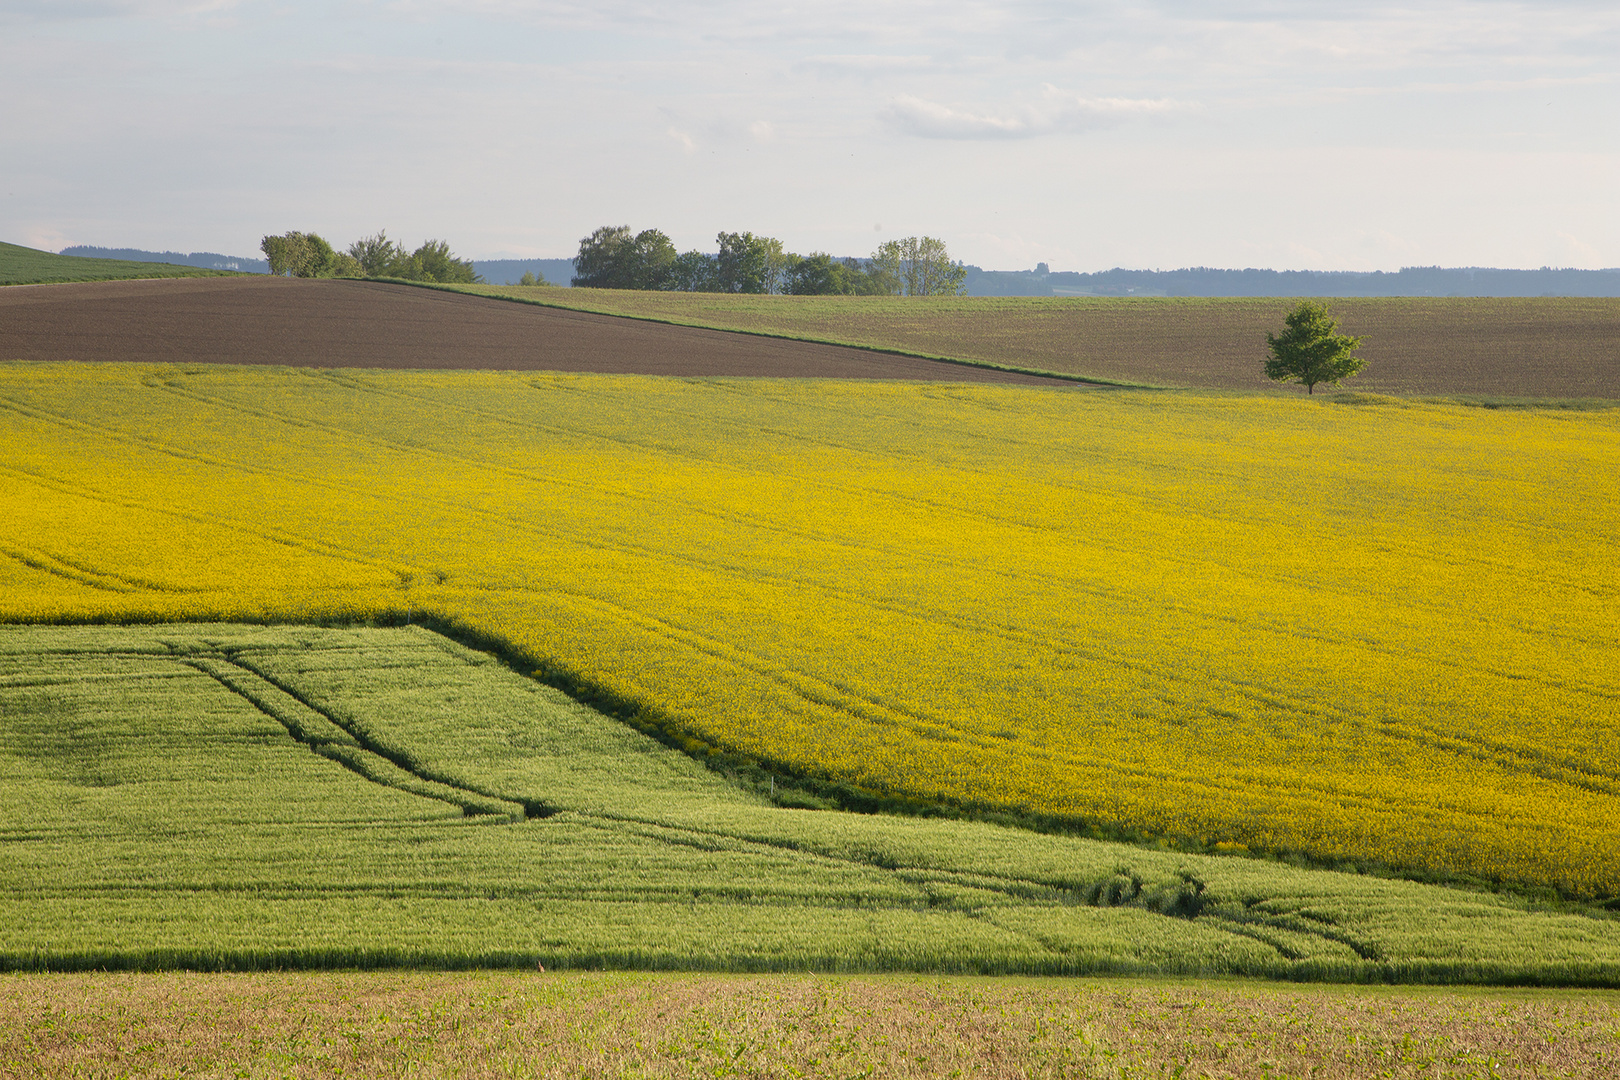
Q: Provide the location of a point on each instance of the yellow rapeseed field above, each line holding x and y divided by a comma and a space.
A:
1373, 631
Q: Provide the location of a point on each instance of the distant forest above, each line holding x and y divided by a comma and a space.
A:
209, 260
1205, 281
1197, 281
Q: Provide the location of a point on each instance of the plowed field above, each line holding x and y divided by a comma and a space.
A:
264, 320
1546, 347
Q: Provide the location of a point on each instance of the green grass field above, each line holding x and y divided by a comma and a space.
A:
29, 266
230, 796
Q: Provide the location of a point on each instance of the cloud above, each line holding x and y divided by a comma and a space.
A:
1056, 113
65, 10
864, 63
687, 145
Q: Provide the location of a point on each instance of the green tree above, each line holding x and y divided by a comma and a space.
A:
603, 260
533, 279
307, 255
694, 272
858, 279
434, 262
776, 262
918, 266
299, 254
379, 256
746, 263
819, 274
653, 258
614, 258
1309, 351
884, 267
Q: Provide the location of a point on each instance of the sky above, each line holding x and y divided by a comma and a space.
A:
1225, 133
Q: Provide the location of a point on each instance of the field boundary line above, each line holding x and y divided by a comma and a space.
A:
1088, 380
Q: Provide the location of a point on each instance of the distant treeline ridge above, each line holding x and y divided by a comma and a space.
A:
1208, 281
208, 260
1190, 281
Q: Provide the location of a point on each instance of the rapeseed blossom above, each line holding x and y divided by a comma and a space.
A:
1365, 632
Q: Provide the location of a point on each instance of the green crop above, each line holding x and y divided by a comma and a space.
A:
228, 796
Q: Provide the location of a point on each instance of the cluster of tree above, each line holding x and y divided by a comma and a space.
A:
307, 255
613, 257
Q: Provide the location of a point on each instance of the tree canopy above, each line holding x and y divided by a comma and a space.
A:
1309, 351
819, 274
613, 257
307, 255
920, 266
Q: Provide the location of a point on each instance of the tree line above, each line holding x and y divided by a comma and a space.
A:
307, 255
613, 257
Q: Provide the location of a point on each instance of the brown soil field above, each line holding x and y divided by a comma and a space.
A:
265, 320
503, 1024
1547, 347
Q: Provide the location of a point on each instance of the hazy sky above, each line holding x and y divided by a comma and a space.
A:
1232, 133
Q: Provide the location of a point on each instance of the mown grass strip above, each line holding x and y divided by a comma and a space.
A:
486, 1025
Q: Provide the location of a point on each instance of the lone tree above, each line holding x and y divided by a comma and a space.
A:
1308, 350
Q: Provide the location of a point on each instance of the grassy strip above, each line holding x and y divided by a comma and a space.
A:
28, 266
487, 1025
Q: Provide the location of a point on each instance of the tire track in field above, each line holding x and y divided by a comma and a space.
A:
59, 567
1491, 750
285, 539
1572, 770
1577, 774
344, 744
1102, 592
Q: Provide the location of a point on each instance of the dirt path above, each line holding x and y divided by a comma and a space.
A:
264, 320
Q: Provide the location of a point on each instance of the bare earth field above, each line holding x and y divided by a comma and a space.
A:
265, 320
512, 1024
1554, 347
1490, 348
